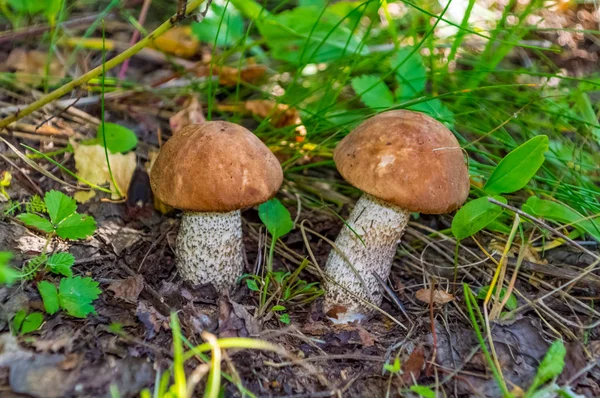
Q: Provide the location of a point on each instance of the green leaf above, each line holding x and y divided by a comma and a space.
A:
561, 213
77, 294
223, 19
119, 139
18, 320
518, 167
393, 368
584, 105
59, 206
285, 319
373, 92
27, 7
278, 308
8, 275
474, 216
411, 74
276, 218
304, 35
251, 283
32, 323
49, 296
76, 226
61, 263
35, 221
511, 303
551, 366
423, 391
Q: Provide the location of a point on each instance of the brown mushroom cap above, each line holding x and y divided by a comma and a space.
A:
408, 159
215, 166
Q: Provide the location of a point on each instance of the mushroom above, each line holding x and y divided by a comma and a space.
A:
404, 162
211, 171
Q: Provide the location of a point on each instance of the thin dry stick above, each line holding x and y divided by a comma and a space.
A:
192, 5
135, 36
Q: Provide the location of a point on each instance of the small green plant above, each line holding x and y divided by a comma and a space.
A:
24, 323
57, 215
393, 368
278, 221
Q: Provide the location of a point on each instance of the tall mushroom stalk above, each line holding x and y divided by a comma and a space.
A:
211, 171
404, 162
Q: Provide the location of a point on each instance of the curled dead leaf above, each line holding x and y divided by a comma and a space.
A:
129, 288
190, 114
90, 162
439, 296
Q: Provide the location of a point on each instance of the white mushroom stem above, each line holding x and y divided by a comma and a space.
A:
210, 248
380, 226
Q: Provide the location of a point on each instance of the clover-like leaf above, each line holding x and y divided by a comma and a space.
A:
77, 294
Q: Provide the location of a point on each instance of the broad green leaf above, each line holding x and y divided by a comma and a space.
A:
373, 92
28, 7
18, 320
410, 73
35, 221
436, 109
77, 294
278, 308
61, 263
423, 391
59, 206
474, 216
119, 139
511, 303
304, 35
518, 167
558, 212
551, 366
76, 226
276, 218
588, 114
49, 296
221, 18
8, 275
251, 283
285, 319
31, 323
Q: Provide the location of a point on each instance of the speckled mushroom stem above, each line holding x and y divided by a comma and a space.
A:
380, 226
210, 248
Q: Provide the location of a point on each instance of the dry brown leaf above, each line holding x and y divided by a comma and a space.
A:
129, 288
439, 296
179, 41
229, 76
90, 162
414, 365
30, 66
190, 114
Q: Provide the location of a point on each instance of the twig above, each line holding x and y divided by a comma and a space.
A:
193, 4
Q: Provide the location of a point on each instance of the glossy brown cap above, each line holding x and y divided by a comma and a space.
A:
408, 159
215, 166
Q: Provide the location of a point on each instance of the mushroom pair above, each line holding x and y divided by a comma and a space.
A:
404, 162
211, 171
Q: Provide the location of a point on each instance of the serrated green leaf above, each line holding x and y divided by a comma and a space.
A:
8, 275
285, 319
559, 212
32, 323
59, 206
373, 92
49, 296
423, 391
474, 216
518, 167
411, 74
77, 294
119, 139
35, 221
276, 218
76, 226
304, 35
221, 19
61, 263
